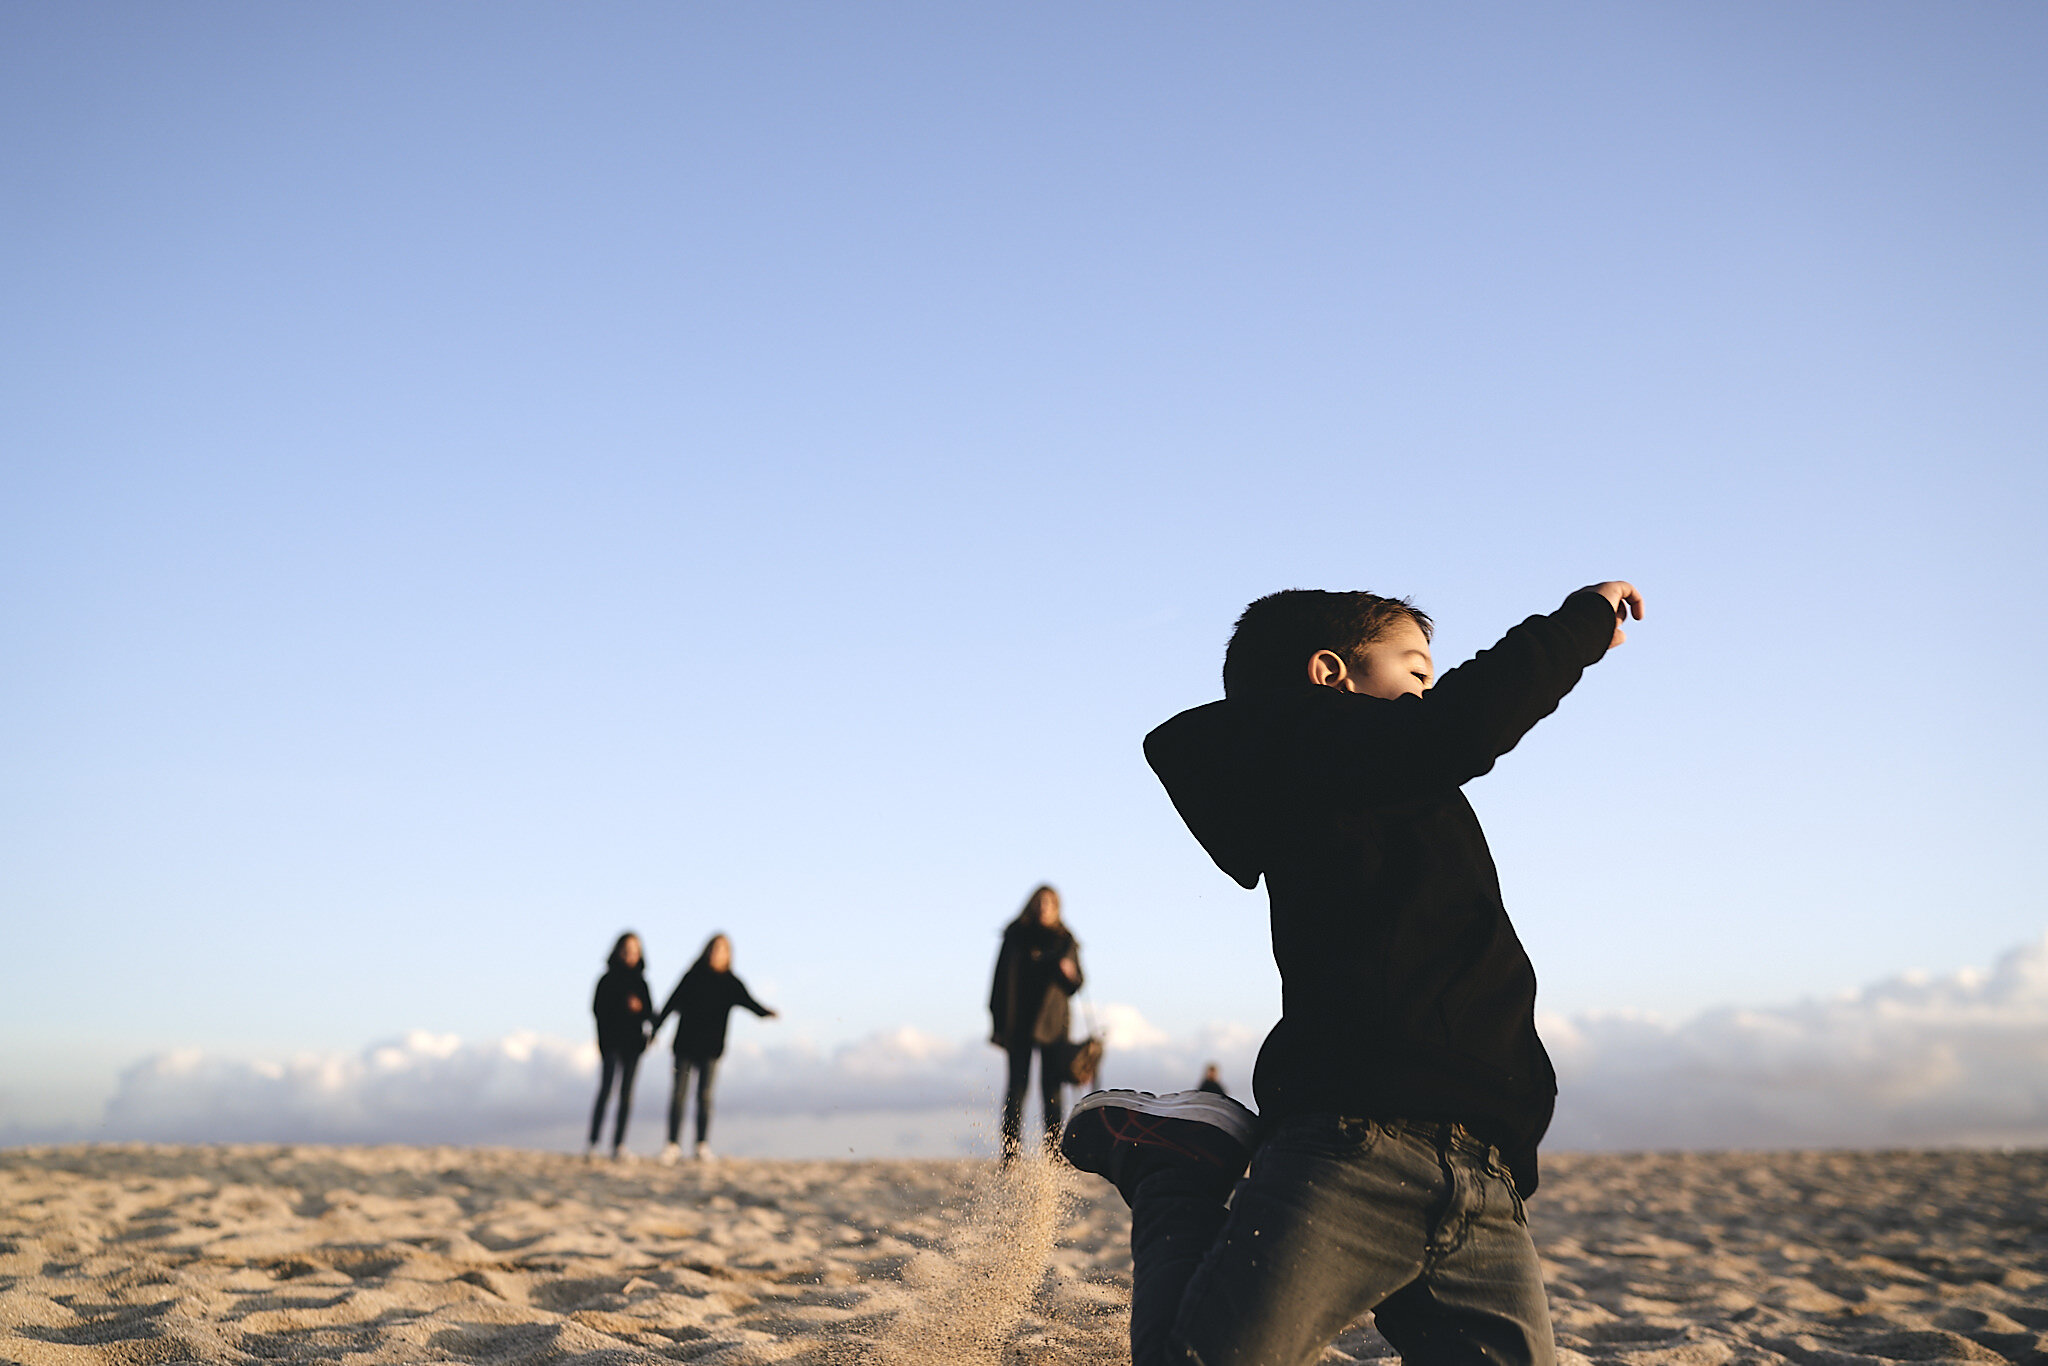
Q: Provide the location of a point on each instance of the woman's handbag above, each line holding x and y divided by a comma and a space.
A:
1081, 1060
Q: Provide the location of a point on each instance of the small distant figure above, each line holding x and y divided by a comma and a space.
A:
624, 1008
1212, 1081
1038, 968
702, 1004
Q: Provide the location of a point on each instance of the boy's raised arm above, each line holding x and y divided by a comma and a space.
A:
1368, 750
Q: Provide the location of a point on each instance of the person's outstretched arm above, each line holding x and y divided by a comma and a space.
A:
1364, 750
743, 997
671, 1006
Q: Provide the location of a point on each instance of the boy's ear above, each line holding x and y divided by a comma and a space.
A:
1326, 669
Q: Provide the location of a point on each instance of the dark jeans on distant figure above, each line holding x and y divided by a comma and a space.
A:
707, 1072
1418, 1223
1049, 1084
625, 1065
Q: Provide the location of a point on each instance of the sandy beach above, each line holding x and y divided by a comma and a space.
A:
145, 1254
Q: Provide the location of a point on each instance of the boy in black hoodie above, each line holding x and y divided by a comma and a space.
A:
1404, 1089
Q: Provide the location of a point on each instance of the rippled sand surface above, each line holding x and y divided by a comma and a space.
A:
373, 1255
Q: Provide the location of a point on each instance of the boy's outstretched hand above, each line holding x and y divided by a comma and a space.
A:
1625, 600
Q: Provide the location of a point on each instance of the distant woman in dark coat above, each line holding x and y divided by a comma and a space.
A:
1038, 969
624, 1008
702, 1004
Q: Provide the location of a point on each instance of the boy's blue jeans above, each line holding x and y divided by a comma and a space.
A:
1418, 1223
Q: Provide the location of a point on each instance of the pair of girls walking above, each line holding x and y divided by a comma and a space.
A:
627, 1022
1038, 969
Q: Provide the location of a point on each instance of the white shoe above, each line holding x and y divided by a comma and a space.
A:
670, 1154
622, 1157
704, 1153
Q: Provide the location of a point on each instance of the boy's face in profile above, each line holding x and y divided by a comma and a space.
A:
1395, 665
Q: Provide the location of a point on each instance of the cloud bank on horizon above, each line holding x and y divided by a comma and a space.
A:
1910, 1061
1913, 1061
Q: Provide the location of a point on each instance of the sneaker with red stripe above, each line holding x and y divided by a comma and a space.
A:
1124, 1134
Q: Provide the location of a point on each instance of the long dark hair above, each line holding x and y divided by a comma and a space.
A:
703, 963
617, 959
1028, 917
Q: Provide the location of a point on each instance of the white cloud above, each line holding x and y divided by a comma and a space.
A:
1123, 1027
1910, 1061
532, 1090
423, 1088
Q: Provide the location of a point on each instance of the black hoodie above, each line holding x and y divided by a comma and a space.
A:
1028, 1000
702, 1004
1405, 993
622, 1027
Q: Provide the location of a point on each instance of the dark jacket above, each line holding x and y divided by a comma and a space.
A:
1404, 991
702, 1004
620, 1028
1028, 1000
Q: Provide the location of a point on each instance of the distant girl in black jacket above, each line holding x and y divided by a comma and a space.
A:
1038, 969
702, 1004
624, 1007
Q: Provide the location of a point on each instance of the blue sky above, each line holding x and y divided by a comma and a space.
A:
476, 478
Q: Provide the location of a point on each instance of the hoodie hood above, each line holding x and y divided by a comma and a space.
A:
1216, 772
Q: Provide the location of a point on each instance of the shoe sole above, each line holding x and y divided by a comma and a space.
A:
1194, 1125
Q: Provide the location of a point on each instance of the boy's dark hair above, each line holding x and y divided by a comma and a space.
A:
1270, 647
